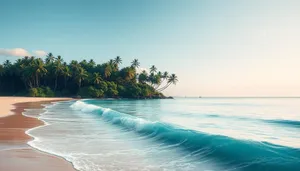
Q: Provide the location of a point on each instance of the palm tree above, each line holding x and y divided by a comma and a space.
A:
58, 70
66, 73
158, 79
151, 79
96, 78
75, 66
7, 64
59, 59
39, 69
165, 75
80, 76
171, 80
159, 74
117, 60
111, 62
28, 75
83, 62
143, 77
129, 73
92, 63
107, 71
50, 58
153, 69
135, 63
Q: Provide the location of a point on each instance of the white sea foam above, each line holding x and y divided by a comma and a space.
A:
81, 105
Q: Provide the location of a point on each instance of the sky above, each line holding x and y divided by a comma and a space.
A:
216, 48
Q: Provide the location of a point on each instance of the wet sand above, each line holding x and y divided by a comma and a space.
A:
15, 154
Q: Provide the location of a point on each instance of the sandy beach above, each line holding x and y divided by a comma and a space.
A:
7, 103
15, 154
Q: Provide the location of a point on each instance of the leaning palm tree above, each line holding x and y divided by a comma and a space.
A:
153, 69
135, 63
151, 79
165, 75
158, 79
171, 80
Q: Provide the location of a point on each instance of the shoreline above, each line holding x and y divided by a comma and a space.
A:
14, 147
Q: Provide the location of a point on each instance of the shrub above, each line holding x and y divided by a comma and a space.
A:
112, 89
95, 93
41, 92
102, 86
90, 92
48, 92
122, 91
33, 92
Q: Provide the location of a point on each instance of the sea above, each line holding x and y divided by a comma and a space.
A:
181, 134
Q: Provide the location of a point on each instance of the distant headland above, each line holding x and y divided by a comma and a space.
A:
53, 77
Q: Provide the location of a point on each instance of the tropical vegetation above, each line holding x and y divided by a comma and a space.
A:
53, 76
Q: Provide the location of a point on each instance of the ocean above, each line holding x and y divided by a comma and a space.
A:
188, 134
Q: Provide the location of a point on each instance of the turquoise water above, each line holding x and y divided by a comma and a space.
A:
247, 134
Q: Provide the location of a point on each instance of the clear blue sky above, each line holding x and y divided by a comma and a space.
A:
216, 47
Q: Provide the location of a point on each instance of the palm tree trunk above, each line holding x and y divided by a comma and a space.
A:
79, 83
37, 80
30, 84
33, 81
157, 87
65, 82
55, 86
163, 88
13, 85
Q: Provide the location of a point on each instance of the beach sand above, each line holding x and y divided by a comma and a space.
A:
15, 154
7, 103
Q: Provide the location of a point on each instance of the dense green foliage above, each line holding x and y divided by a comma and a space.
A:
53, 77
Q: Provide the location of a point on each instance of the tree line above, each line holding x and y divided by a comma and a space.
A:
31, 76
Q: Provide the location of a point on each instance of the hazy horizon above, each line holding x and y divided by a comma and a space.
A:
216, 48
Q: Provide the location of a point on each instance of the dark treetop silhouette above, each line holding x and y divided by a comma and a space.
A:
53, 77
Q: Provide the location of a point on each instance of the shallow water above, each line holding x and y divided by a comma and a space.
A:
250, 134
